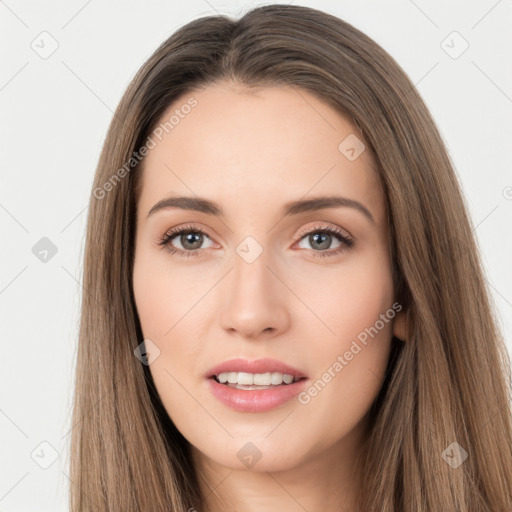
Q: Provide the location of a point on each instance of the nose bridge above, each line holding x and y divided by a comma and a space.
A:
251, 277
255, 302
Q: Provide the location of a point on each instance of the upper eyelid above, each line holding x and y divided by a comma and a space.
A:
326, 227
192, 227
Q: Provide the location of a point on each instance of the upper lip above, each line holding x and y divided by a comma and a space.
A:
254, 366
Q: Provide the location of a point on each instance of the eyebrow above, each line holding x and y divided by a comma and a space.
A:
292, 208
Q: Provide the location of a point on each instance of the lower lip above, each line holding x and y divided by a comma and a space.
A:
258, 400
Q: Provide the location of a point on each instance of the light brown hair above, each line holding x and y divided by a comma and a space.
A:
449, 382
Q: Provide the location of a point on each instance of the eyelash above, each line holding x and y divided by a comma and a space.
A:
348, 242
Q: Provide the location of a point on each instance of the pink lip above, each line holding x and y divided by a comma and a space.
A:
256, 366
261, 400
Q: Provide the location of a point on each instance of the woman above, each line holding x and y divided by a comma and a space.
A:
255, 369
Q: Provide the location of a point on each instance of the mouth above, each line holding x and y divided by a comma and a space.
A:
254, 381
258, 372
254, 386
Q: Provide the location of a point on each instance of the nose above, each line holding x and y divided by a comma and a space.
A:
255, 305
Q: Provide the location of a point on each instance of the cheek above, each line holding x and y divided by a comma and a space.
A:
365, 297
350, 359
167, 300
164, 293
162, 302
346, 299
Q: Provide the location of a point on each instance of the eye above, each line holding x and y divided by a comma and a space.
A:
189, 237
321, 237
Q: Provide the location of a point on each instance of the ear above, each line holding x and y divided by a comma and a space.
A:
399, 325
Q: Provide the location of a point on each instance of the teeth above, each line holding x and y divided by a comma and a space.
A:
258, 379
287, 379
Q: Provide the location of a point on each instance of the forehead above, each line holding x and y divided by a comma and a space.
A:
243, 146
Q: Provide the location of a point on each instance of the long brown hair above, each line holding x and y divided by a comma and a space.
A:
448, 383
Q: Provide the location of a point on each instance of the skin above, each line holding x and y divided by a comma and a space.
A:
252, 151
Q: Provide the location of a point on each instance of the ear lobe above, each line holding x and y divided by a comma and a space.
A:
399, 326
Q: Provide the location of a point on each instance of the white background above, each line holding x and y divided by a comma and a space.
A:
55, 113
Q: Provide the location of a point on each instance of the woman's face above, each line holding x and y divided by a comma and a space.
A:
257, 278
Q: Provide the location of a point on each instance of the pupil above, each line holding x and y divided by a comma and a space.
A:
187, 240
325, 236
